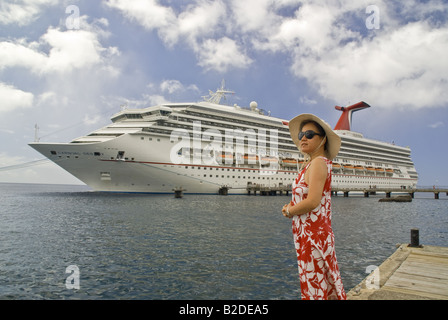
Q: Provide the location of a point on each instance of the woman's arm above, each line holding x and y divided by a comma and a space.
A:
315, 177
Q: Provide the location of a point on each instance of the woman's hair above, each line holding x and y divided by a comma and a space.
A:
319, 128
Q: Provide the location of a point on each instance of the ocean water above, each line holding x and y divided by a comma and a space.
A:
152, 247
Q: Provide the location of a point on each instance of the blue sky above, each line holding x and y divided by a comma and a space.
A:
69, 65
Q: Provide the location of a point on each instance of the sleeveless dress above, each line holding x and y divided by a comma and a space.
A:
319, 274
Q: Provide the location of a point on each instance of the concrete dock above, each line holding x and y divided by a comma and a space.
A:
410, 273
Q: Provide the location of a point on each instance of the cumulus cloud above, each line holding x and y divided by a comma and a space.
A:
148, 13
198, 26
221, 54
195, 23
68, 50
18, 53
400, 64
13, 98
68, 67
22, 12
171, 86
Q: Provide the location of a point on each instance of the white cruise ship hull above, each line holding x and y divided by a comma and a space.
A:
135, 154
149, 170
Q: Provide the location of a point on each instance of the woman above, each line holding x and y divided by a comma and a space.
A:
310, 209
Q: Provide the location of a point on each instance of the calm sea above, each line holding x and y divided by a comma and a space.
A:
133, 246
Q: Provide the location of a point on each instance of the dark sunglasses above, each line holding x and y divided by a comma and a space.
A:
309, 134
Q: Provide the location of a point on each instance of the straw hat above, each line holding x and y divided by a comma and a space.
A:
333, 140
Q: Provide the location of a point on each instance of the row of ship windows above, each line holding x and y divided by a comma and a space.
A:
150, 139
235, 142
360, 179
362, 163
280, 140
367, 144
286, 135
221, 125
233, 120
244, 177
260, 172
371, 156
287, 144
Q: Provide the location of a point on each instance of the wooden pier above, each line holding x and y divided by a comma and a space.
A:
268, 190
286, 189
410, 273
388, 191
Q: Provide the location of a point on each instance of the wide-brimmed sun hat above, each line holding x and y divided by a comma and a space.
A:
333, 140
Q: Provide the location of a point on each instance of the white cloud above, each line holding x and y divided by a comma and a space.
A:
171, 86
147, 13
222, 54
306, 100
49, 97
196, 22
437, 124
401, 64
71, 50
197, 27
22, 12
59, 51
13, 98
20, 54
402, 68
155, 99
253, 15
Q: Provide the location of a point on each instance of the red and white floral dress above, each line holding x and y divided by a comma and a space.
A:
319, 274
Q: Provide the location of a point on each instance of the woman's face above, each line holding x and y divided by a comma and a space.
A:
310, 145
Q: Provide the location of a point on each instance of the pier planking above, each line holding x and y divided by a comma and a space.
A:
410, 273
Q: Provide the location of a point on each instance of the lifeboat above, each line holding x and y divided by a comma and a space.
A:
226, 155
269, 159
336, 167
250, 157
289, 162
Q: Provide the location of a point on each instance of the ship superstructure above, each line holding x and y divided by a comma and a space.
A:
205, 146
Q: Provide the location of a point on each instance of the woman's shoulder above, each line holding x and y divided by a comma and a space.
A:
321, 161
320, 164
317, 164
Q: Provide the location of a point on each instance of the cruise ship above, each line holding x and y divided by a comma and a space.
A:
205, 146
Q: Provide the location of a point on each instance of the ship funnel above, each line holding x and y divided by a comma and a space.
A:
345, 121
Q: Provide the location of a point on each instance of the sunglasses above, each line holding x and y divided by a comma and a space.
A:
309, 134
